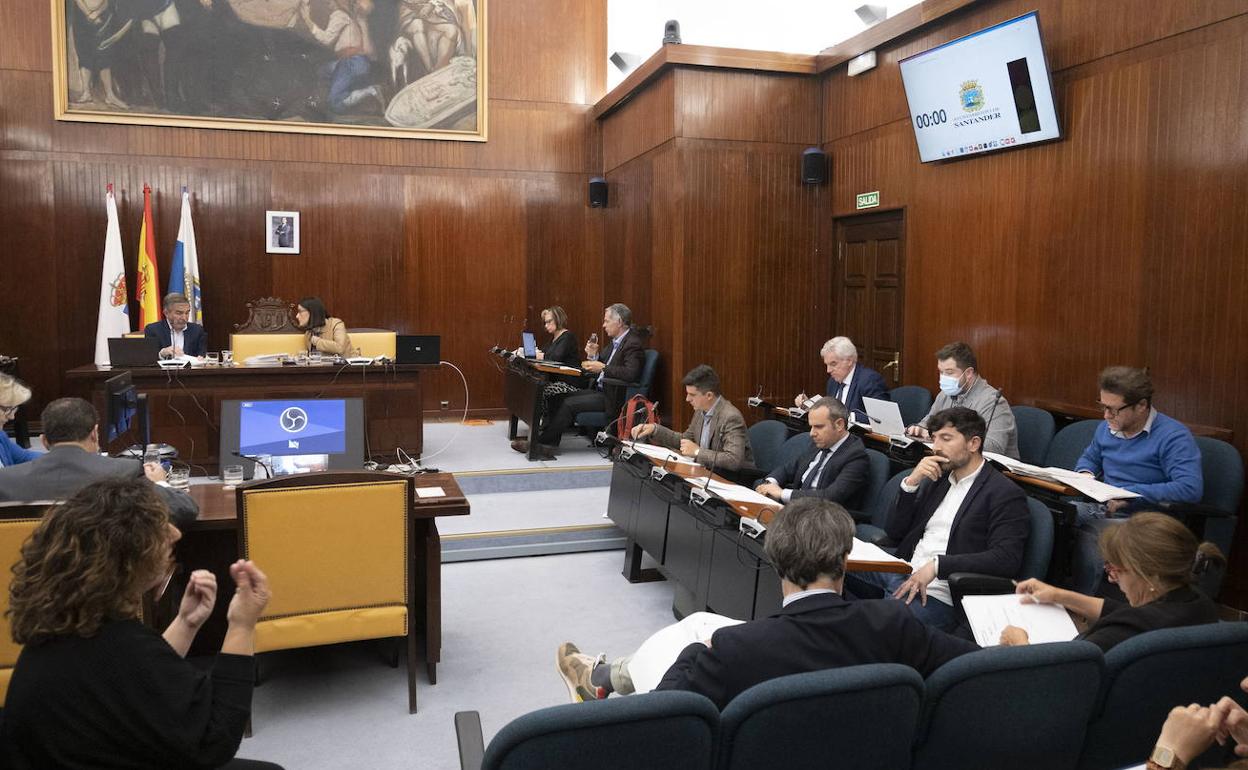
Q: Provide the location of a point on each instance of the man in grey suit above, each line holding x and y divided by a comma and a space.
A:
71, 434
716, 436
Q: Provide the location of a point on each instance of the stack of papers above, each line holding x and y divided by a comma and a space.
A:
740, 494
662, 454
1097, 490
864, 551
989, 615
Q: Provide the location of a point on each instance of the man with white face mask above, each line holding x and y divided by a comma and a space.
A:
961, 385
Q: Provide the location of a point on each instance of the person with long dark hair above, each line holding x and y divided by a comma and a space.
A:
93, 685
324, 332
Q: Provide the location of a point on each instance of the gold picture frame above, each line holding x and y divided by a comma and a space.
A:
391, 68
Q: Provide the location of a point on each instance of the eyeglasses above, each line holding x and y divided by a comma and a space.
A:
1113, 411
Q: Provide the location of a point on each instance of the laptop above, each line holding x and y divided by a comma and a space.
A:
417, 349
885, 418
529, 343
132, 351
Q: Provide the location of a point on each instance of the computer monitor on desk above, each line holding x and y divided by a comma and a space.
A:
529, 343
124, 404
299, 435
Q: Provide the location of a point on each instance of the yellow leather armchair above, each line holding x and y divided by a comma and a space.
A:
373, 342
336, 547
247, 345
17, 521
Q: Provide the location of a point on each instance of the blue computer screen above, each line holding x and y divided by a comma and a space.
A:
313, 426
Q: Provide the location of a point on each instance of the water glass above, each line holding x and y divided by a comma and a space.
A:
232, 476
314, 357
301, 359
179, 479
227, 357
212, 359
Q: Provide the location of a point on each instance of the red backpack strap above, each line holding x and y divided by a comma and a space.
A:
628, 415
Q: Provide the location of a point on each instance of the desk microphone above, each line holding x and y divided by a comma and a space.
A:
992, 413
267, 469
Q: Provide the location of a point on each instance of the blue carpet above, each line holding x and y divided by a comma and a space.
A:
533, 481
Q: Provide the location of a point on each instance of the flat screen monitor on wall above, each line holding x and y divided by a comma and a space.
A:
984, 92
297, 435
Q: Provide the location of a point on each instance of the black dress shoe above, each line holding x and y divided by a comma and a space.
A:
543, 452
521, 445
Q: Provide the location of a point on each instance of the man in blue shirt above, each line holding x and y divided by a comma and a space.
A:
1138, 449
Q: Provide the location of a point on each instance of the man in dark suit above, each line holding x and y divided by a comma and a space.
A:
849, 382
716, 436
955, 513
71, 434
808, 543
623, 361
176, 335
835, 468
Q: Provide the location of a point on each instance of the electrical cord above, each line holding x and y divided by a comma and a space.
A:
462, 422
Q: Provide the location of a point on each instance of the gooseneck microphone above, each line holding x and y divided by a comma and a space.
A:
255, 459
996, 399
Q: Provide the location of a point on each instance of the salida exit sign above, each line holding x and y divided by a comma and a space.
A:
869, 200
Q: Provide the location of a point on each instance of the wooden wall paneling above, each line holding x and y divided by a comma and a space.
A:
668, 276
25, 111
629, 239
548, 50
644, 122
862, 102
750, 106
464, 276
30, 235
564, 254
27, 35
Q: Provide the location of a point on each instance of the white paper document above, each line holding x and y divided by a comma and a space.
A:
1097, 490
989, 615
740, 494
864, 551
657, 654
662, 454
430, 492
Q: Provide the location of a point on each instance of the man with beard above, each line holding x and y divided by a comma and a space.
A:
955, 513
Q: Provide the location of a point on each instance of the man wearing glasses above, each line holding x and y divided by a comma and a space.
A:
1138, 449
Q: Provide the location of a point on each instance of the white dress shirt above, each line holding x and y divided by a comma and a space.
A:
843, 390
803, 594
935, 540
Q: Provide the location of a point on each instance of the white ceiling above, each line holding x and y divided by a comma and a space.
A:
792, 26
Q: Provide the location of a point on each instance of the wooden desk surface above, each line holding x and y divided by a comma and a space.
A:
218, 506
93, 372
1092, 413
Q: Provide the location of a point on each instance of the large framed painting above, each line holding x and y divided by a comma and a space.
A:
404, 68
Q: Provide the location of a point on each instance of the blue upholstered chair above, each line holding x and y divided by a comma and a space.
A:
1068, 444
766, 439
861, 717
790, 450
1150, 674
1037, 555
913, 401
879, 508
1035, 433
1214, 518
595, 421
657, 731
1009, 707
877, 477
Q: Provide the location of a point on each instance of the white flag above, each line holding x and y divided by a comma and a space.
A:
184, 272
114, 320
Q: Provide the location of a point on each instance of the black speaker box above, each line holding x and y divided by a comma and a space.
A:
814, 166
597, 192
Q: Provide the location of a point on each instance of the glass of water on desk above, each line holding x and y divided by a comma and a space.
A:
232, 476
212, 359
179, 479
227, 357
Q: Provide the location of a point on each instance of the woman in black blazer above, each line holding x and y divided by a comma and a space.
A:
563, 348
1156, 561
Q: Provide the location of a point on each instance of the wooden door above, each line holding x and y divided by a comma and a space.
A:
870, 288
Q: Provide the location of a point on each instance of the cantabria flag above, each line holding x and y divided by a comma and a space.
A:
184, 272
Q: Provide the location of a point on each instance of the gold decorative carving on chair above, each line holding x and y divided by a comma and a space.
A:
269, 315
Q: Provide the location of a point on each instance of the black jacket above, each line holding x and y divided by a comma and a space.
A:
844, 476
1184, 606
866, 382
811, 634
989, 531
627, 364
194, 338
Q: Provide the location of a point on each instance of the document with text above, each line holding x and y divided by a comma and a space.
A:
1089, 486
989, 615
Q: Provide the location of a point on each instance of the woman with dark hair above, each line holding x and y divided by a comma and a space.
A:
563, 348
94, 686
324, 332
1156, 561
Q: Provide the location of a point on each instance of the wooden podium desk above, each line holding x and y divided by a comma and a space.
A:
523, 381
211, 543
698, 547
185, 404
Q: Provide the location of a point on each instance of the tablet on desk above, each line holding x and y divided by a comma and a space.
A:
529, 343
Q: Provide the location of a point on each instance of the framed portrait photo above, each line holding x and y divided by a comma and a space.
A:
281, 232
412, 69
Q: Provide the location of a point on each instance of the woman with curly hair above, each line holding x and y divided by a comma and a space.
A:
94, 686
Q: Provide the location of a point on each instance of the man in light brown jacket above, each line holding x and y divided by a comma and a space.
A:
716, 437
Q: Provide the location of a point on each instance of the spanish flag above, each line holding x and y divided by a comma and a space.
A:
148, 290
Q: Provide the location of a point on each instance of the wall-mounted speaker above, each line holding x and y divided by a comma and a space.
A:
597, 192
814, 166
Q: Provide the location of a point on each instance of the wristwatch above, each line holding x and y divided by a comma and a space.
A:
1164, 758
